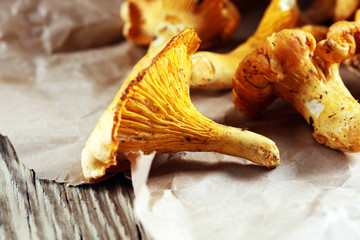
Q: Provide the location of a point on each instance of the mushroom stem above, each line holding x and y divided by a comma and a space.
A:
327, 106
245, 144
164, 32
215, 70
224, 139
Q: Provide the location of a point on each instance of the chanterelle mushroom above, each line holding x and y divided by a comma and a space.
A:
347, 33
216, 70
155, 21
322, 11
152, 111
291, 65
344, 9
319, 12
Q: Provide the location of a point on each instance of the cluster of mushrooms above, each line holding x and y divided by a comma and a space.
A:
291, 55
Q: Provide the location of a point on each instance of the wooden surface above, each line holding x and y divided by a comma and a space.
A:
36, 209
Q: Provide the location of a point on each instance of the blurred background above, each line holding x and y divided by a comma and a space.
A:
48, 26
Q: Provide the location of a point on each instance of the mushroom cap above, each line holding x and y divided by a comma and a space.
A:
322, 11
341, 42
135, 107
213, 20
319, 12
344, 9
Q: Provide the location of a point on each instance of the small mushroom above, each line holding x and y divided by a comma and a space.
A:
341, 42
346, 35
291, 65
319, 12
322, 11
152, 111
357, 16
151, 22
345, 9
215, 70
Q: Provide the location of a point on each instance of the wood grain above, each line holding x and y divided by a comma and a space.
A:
37, 209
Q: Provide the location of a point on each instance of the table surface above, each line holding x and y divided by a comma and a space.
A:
37, 209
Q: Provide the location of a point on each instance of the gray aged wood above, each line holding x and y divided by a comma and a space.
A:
36, 209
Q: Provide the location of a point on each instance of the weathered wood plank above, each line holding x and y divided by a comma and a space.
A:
37, 209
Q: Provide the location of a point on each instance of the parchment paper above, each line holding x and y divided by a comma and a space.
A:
61, 63
313, 194
52, 89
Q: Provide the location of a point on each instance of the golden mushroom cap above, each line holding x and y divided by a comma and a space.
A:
213, 20
99, 154
344, 9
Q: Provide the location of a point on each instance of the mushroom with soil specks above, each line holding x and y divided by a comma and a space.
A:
322, 11
291, 65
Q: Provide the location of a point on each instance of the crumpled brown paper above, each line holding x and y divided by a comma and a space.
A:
55, 82
38, 26
50, 97
313, 194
